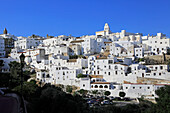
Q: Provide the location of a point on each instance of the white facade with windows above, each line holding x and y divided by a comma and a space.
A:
2, 47
108, 60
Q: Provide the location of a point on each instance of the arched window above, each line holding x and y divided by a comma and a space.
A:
105, 86
96, 86
100, 86
92, 86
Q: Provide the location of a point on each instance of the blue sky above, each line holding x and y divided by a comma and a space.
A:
84, 17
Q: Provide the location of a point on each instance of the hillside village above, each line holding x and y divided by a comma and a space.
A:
117, 62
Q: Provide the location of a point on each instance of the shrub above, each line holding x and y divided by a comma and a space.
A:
69, 88
80, 75
122, 94
107, 93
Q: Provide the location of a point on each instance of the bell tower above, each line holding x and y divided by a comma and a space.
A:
106, 27
5, 31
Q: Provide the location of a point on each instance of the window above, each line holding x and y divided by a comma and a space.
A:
43, 75
147, 74
83, 85
133, 87
159, 74
110, 61
109, 67
126, 87
116, 72
148, 87
161, 67
140, 87
96, 86
108, 73
100, 86
155, 41
154, 74
105, 86
160, 42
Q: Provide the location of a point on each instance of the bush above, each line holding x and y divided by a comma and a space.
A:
122, 94
83, 92
107, 93
69, 88
73, 57
80, 75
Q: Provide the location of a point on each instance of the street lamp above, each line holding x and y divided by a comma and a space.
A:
22, 58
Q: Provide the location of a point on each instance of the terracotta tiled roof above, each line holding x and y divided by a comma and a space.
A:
72, 60
107, 42
100, 83
77, 41
96, 76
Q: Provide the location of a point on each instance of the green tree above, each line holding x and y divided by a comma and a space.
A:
53, 100
29, 88
83, 92
107, 93
1, 63
69, 89
4, 79
15, 73
163, 102
95, 92
80, 75
122, 94
15, 70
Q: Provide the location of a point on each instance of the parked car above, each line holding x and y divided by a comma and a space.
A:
112, 98
117, 98
126, 99
105, 102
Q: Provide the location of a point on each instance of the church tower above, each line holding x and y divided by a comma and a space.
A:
5, 31
106, 27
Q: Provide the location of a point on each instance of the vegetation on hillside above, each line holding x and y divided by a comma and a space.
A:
52, 99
